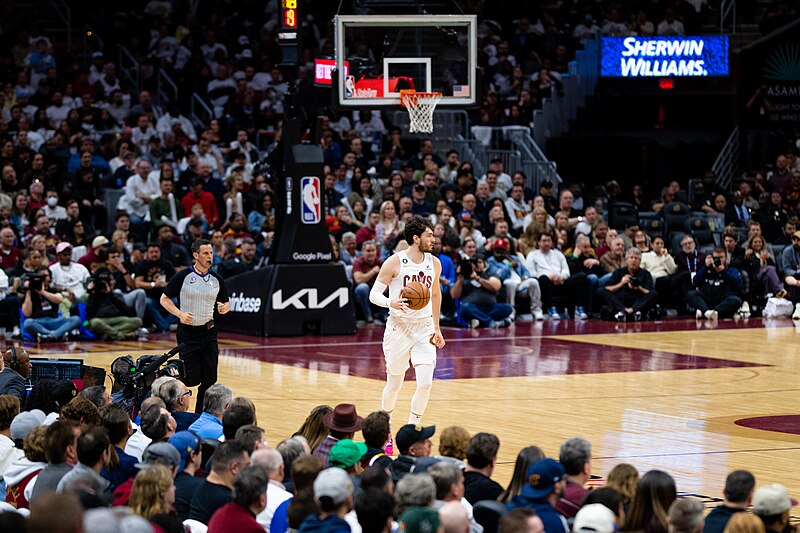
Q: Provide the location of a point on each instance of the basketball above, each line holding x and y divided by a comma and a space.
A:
416, 294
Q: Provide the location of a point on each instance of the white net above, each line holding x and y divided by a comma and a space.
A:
420, 110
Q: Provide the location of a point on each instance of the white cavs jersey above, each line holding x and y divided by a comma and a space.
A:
424, 273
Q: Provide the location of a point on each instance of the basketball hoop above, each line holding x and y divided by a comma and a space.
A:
420, 107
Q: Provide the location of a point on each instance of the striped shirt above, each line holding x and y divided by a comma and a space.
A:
197, 294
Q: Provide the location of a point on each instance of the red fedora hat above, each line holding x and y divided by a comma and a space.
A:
343, 418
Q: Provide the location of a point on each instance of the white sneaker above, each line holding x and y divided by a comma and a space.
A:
744, 310
538, 315
698, 314
796, 314
474, 323
525, 317
711, 314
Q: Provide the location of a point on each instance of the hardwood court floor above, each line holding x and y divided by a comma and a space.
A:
657, 395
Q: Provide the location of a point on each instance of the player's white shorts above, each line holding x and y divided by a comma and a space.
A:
405, 341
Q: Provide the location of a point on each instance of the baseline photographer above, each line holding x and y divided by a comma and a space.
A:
109, 316
40, 307
200, 292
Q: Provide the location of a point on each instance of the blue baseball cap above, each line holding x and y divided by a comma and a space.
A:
185, 442
542, 478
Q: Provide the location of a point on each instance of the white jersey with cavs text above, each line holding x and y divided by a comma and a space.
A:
424, 273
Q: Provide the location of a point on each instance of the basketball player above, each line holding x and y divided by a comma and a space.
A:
410, 335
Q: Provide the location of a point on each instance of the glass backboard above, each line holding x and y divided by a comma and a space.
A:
379, 55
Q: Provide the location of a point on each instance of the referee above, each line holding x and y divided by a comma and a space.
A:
198, 289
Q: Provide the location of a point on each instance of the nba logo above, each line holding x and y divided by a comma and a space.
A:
311, 208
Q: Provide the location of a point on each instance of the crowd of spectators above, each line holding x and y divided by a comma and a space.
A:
74, 461
79, 259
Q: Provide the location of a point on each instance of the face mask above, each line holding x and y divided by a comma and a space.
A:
52, 201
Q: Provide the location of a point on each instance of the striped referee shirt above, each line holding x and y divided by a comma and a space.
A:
197, 294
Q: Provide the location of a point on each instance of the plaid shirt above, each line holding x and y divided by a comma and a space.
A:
323, 449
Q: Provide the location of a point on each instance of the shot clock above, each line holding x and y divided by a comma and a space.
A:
288, 36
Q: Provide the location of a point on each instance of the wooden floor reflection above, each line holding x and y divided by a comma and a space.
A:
661, 396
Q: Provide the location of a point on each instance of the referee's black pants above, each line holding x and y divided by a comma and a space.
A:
200, 357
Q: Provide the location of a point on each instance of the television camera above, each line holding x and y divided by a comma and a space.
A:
132, 379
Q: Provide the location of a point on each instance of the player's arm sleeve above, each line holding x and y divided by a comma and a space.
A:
377, 296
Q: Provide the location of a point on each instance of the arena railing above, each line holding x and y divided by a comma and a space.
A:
128, 68
726, 165
166, 89
64, 14
727, 9
199, 111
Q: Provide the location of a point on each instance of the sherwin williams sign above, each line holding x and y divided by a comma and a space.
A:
664, 57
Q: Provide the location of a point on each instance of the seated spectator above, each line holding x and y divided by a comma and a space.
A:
234, 418
21, 475
413, 443
153, 274
177, 398
376, 431
15, 369
41, 310
94, 454
122, 466
613, 259
583, 260
109, 316
157, 423
761, 270
333, 491
153, 492
542, 494
216, 401
249, 499
188, 445
521, 520
575, 456
69, 276
478, 292
555, 281
716, 288
662, 267
342, 423
738, 495
217, 489
519, 477
481, 460
655, 492
61, 452
772, 504
630, 292
509, 269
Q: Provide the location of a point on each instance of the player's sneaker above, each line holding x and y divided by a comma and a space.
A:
389, 448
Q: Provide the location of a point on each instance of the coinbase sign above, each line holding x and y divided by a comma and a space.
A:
664, 57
